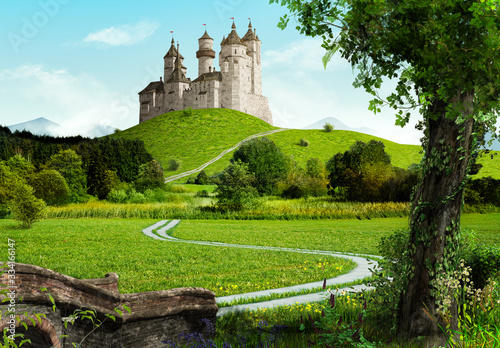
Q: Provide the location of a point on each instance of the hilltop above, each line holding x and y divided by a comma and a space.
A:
194, 137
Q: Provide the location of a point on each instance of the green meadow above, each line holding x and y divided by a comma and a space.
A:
195, 137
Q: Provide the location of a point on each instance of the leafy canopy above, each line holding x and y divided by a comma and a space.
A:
441, 48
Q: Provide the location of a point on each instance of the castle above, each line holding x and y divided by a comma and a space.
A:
237, 85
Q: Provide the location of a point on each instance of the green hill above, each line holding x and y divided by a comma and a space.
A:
195, 137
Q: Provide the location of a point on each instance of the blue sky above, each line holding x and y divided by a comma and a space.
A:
81, 62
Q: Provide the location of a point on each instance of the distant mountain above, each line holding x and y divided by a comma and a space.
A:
43, 126
339, 126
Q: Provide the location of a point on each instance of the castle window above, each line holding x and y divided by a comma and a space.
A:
235, 51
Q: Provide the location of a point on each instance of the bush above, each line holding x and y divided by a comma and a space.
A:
236, 190
265, 161
202, 178
483, 191
202, 194
136, 197
173, 165
50, 186
484, 262
26, 208
117, 196
328, 127
304, 143
150, 176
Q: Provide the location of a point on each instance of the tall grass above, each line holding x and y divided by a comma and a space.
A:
189, 207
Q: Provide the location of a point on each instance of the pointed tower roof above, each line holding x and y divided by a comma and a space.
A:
250, 35
172, 52
233, 37
177, 74
206, 36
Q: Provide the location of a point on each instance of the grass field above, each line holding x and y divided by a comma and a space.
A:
354, 236
90, 248
197, 138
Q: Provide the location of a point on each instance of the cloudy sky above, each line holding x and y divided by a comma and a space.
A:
79, 63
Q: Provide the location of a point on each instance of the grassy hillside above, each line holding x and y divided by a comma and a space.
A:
197, 137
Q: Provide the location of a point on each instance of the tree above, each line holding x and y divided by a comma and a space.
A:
69, 164
150, 176
328, 127
50, 186
26, 208
448, 51
235, 189
265, 160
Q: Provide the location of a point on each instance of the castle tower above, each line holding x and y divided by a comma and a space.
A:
176, 85
205, 54
232, 61
169, 62
253, 44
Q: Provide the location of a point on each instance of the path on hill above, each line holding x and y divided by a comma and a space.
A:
203, 166
160, 230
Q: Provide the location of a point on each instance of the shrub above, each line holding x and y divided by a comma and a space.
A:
50, 186
150, 176
173, 165
26, 208
304, 143
117, 196
236, 190
136, 197
483, 191
484, 262
265, 161
187, 112
201, 178
202, 194
328, 127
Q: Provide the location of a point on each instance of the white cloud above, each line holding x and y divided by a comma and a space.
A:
303, 55
77, 102
301, 92
124, 35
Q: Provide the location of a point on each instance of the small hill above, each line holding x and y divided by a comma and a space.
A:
197, 136
339, 125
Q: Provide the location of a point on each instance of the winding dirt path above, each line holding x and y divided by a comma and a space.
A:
203, 166
160, 231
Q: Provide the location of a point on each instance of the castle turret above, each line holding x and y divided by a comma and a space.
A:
169, 62
253, 44
205, 54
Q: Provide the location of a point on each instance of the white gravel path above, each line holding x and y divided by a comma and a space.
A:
160, 230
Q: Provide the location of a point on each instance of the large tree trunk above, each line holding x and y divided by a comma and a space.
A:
435, 223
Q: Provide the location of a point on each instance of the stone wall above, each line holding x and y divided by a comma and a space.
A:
258, 105
154, 316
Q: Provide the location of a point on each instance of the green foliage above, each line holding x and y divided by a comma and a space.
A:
8, 181
236, 189
150, 176
173, 165
300, 183
26, 208
335, 330
484, 262
50, 186
483, 191
202, 194
69, 164
328, 127
265, 161
19, 165
364, 173
202, 178
304, 143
